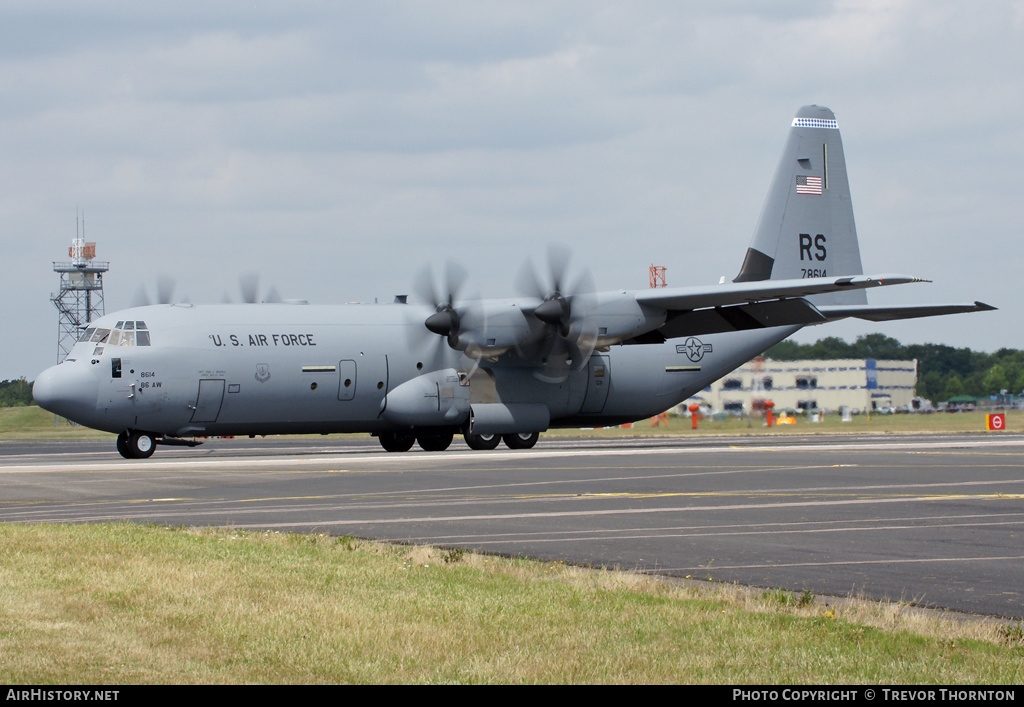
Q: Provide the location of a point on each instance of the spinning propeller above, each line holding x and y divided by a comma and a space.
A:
164, 292
249, 287
563, 310
555, 332
449, 319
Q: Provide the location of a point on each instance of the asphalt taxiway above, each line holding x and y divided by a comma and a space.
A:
937, 520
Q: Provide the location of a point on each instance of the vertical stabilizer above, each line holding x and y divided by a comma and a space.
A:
806, 228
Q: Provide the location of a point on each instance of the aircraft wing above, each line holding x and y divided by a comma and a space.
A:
690, 298
892, 313
737, 306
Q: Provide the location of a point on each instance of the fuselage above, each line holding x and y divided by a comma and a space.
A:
203, 370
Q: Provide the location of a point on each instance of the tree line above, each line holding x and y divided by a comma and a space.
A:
16, 392
943, 372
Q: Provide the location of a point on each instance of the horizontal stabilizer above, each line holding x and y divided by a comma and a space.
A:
889, 314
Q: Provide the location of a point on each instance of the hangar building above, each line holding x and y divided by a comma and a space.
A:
860, 384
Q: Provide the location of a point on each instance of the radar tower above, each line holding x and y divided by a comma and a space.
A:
80, 298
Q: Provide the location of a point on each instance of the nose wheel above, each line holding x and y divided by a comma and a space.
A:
136, 445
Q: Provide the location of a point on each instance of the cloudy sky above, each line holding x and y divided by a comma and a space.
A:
338, 148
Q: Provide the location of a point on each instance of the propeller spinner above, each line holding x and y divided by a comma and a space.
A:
446, 320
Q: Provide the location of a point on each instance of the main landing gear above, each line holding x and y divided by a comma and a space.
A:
399, 442
482, 441
440, 441
395, 442
136, 445
522, 440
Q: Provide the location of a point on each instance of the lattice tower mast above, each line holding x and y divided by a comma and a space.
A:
80, 298
658, 276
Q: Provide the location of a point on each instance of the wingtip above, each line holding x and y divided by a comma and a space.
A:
982, 307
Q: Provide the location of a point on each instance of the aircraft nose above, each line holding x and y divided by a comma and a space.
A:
66, 390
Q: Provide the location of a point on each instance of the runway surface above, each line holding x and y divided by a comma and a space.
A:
938, 520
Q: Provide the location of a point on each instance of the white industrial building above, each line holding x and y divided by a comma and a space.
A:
860, 384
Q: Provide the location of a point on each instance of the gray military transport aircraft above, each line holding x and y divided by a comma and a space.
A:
491, 370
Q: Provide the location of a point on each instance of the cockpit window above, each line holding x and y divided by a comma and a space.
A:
123, 334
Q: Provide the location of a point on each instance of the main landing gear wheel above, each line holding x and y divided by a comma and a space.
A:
482, 441
136, 445
521, 440
435, 442
395, 442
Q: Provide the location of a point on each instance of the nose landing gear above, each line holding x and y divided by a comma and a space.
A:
133, 444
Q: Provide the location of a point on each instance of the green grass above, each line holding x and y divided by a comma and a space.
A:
32, 422
122, 603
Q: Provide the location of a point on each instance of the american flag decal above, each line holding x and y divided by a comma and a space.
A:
808, 185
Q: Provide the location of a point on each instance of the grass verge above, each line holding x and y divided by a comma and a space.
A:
32, 422
122, 603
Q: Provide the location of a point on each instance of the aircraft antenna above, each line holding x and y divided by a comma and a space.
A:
80, 297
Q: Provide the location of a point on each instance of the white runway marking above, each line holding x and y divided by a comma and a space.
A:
816, 503
846, 563
355, 460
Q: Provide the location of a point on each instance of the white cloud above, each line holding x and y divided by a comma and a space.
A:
339, 147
